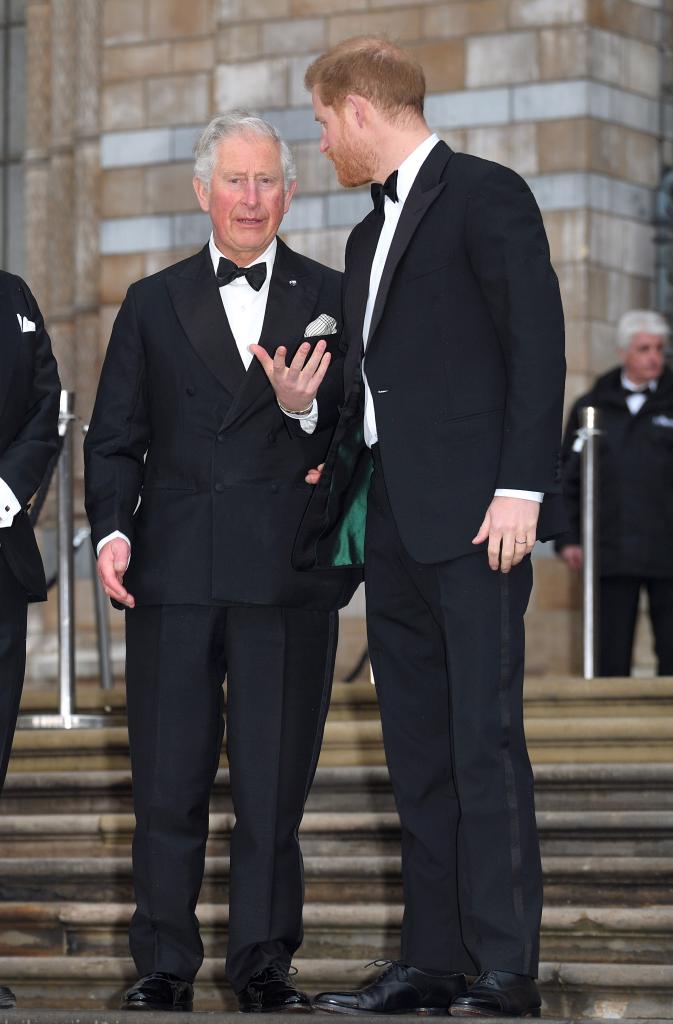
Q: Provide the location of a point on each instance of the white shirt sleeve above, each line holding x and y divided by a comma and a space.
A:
9, 505
507, 492
113, 536
309, 421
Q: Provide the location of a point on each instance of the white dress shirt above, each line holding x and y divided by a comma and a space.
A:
406, 176
9, 505
639, 396
244, 309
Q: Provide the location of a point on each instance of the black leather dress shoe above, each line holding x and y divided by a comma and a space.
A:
271, 991
499, 994
7, 998
400, 989
159, 991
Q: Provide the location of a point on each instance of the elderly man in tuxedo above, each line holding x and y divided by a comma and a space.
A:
29, 401
195, 489
454, 379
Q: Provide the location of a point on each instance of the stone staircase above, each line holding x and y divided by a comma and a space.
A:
603, 757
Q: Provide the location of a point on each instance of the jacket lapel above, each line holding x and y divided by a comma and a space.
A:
197, 303
356, 288
293, 294
424, 191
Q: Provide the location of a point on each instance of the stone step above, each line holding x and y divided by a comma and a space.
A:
564, 740
348, 833
114, 1016
348, 700
569, 880
544, 696
334, 930
349, 788
569, 990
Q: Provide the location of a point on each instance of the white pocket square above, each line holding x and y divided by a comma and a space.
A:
25, 324
322, 325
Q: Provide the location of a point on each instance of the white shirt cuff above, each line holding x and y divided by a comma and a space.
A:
308, 421
9, 505
507, 492
113, 536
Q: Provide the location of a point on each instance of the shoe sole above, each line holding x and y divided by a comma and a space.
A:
423, 1011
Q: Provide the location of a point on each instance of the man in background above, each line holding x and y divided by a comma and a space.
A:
29, 402
195, 472
635, 472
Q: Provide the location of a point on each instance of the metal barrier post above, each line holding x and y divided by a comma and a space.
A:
67, 717
66, 565
589, 511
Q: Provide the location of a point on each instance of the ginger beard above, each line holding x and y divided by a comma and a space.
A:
354, 163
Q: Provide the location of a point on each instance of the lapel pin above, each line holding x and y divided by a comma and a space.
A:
292, 283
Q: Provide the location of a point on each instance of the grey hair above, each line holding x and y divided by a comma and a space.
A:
640, 321
238, 122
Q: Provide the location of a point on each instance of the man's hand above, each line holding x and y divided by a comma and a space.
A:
113, 561
314, 475
510, 526
295, 385
572, 556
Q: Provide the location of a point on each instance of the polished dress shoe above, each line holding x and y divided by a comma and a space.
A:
499, 994
271, 991
7, 998
159, 991
400, 989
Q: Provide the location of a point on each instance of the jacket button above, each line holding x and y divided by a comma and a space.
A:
190, 390
274, 488
219, 488
220, 438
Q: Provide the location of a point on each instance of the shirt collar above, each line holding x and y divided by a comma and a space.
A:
268, 256
408, 170
628, 385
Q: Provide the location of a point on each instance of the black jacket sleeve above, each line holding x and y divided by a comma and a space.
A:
118, 436
509, 253
24, 462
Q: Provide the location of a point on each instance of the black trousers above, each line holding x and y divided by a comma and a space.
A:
13, 612
619, 596
279, 664
446, 643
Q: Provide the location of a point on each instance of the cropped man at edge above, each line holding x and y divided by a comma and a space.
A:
195, 473
29, 401
635, 475
454, 375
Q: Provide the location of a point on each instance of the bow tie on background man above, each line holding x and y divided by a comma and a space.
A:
388, 188
227, 271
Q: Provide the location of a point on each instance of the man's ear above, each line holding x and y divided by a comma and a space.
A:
288, 196
202, 194
358, 108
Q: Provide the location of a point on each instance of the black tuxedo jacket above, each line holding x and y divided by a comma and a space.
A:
465, 361
29, 401
219, 469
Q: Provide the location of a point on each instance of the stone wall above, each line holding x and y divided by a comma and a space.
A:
568, 92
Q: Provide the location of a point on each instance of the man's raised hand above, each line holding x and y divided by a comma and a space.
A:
295, 385
112, 563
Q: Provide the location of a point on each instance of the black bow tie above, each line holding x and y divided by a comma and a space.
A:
644, 390
388, 188
227, 271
